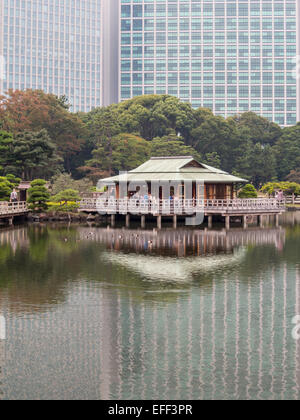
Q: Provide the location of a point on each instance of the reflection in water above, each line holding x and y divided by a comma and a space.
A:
108, 313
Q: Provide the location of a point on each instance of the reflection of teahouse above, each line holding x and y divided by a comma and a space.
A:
180, 169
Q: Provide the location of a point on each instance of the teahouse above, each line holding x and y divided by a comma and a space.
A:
179, 169
173, 186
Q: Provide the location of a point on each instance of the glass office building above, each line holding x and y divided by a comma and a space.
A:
228, 55
54, 45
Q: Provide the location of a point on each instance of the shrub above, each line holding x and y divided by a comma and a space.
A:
6, 188
248, 191
38, 195
65, 200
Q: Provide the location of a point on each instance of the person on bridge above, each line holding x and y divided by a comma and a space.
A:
14, 196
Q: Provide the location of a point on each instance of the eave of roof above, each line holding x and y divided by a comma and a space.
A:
207, 177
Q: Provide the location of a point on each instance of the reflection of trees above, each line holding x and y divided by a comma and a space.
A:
35, 275
38, 269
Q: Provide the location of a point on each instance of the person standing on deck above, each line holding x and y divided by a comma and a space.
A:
14, 196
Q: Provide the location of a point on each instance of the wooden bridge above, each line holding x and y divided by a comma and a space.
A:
10, 210
227, 208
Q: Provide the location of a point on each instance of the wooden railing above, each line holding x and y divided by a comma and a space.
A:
7, 209
180, 206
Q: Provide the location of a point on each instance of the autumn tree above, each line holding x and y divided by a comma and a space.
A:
34, 110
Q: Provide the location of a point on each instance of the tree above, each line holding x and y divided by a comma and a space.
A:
38, 195
172, 145
248, 191
67, 200
34, 110
125, 152
63, 181
6, 139
257, 164
214, 134
287, 151
213, 159
257, 129
6, 188
288, 188
32, 154
104, 127
294, 176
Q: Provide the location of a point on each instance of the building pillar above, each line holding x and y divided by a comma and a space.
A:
245, 222
11, 221
210, 221
227, 222
113, 220
175, 221
143, 221
277, 220
127, 218
159, 221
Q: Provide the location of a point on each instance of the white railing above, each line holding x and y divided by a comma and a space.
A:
7, 208
180, 206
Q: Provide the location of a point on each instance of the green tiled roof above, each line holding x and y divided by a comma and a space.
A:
179, 168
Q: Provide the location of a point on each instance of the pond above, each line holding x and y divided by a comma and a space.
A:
99, 313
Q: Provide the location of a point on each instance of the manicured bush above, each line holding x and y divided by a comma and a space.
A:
38, 195
65, 201
248, 191
6, 188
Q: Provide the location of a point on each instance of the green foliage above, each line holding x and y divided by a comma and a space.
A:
6, 188
287, 187
172, 145
6, 140
38, 195
121, 136
65, 181
248, 191
213, 159
65, 196
257, 164
287, 151
66, 200
258, 129
31, 154
294, 176
126, 151
14, 180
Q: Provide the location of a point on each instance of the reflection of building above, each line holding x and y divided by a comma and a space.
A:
224, 339
2, 360
18, 237
181, 242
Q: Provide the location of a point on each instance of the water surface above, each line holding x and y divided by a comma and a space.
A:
97, 313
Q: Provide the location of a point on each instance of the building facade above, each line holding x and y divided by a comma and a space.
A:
53, 45
227, 55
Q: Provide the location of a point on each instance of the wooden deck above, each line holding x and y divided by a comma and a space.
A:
8, 210
166, 207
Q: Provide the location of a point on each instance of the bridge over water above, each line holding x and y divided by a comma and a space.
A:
10, 210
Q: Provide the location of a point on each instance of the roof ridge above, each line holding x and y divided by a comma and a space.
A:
171, 157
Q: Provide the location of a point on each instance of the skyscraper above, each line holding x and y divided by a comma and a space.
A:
54, 45
228, 55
